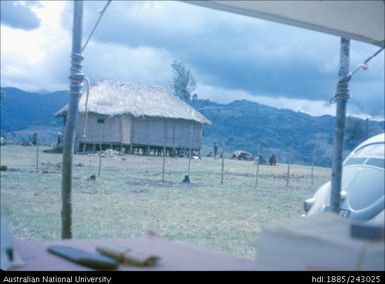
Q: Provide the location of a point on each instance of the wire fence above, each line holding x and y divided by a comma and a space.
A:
254, 172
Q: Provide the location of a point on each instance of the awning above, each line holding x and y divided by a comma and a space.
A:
359, 20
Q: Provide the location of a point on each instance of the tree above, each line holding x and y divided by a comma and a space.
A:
184, 82
355, 133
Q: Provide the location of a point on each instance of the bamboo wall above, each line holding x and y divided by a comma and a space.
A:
127, 130
176, 133
107, 132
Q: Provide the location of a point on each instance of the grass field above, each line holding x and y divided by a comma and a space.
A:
130, 199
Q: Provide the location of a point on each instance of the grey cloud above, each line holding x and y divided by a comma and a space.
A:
18, 16
232, 51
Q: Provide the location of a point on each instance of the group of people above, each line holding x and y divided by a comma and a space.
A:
272, 160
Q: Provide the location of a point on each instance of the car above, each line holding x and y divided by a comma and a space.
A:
362, 190
242, 155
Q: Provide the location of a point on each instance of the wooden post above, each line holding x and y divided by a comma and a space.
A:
189, 162
76, 78
223, 163
164, 162
257, 171
341, 98
37, 149
189, 151
312, 167
100, 159
288, 168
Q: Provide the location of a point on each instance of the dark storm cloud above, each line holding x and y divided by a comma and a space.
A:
235, 52
15, 15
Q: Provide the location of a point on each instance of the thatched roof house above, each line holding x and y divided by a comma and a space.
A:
135, 117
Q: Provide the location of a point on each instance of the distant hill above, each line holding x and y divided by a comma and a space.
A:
20, 109
23, 112
240, 125
251, 126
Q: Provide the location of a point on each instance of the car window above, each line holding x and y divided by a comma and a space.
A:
355, 161
371, 150
364, 186
376, 162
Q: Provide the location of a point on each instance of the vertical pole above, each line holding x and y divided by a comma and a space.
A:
223, 163
312, 167
189, 151
164, 147
257, 172
164, 162
288, 169
189, 162
76, 79
37, 150
100, 159
341, 99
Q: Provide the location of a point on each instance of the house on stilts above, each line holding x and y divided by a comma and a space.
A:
137, 119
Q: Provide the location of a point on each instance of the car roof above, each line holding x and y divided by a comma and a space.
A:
377, 139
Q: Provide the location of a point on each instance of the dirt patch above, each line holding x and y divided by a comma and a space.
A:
283, 176
19, 170
236, 174
158, 183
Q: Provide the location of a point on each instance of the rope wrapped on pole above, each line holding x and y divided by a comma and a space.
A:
76, 83
341, 98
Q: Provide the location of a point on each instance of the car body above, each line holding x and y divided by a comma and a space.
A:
242, 155
362, 192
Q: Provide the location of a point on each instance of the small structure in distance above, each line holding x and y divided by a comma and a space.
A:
137, 119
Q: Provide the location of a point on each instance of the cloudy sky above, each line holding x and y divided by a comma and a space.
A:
231, 56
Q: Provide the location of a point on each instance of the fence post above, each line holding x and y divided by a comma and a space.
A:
189, 162
312, 167
36, 141
257, 172
164, 162
100, 159
288, 168
223, 163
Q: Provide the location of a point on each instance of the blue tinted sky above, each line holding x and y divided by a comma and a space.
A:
231, 56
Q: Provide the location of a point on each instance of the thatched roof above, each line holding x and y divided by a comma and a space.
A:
115, 98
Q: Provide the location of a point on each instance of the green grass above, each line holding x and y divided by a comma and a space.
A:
129, 199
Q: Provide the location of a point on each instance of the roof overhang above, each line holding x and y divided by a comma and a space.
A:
358, 20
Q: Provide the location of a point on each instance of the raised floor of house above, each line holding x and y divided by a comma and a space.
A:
138, 149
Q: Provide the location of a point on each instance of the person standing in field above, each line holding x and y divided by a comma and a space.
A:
215, 149
273, 160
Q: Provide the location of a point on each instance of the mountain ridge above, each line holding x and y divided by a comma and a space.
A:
239, 125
